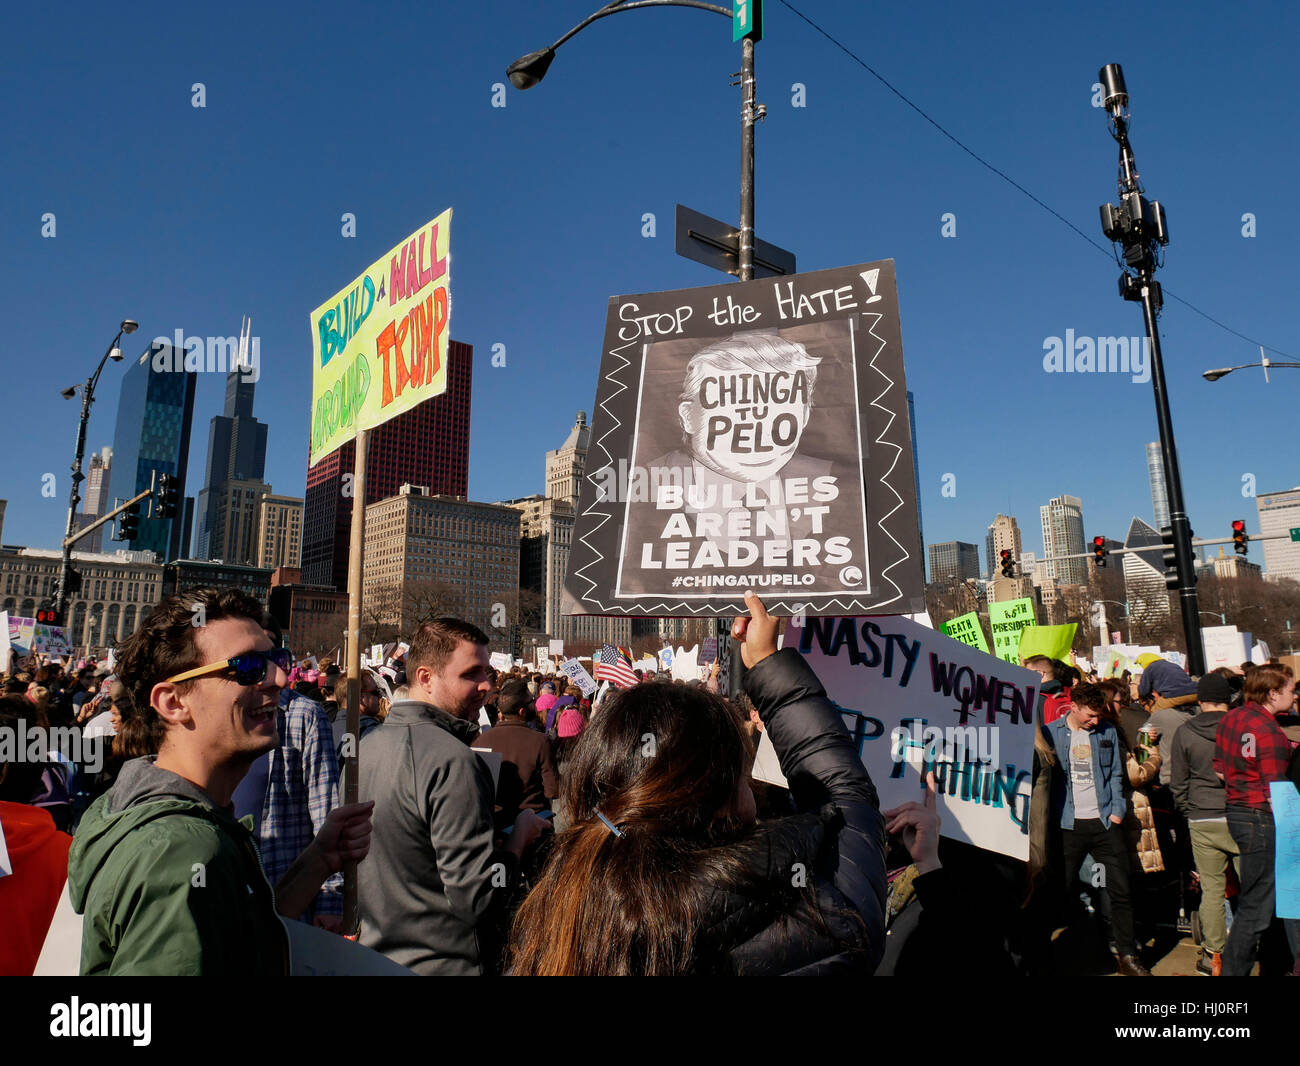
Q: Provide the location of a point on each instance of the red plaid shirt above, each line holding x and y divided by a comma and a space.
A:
1246, 777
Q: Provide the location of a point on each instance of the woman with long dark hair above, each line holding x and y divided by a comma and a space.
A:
663, 869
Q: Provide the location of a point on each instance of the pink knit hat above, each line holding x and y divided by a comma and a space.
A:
571, 724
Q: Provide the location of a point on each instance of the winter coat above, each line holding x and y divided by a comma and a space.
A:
1198, 792
29, 895
171, 885
432, 887
1167, 716
837, 839
1107, 773
1140, 822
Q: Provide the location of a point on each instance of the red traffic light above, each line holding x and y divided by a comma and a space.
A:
1239, 537
1099, 542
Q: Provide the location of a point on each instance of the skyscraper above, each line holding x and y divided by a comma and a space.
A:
1159, 497
1062, 519
1279, 512
954, 560
279, 532
154, 412
546, 537
93, 503
435, 555
236, 452
565, 465
1144, 574
1004, 534
427, 445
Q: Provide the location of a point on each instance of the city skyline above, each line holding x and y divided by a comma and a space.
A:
532, 306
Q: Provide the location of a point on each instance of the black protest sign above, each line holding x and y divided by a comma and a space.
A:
751, 436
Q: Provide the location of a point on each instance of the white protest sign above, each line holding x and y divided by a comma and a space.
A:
686, 665
914, 700
767, 767
556, 647
647, 665
1225, 646
501, 660
1259, 654
666, 658
543, 658
922, 619
577, 673
316, 953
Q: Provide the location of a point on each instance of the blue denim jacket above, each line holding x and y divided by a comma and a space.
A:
1108, 772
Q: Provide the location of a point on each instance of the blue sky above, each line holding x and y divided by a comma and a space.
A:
189, 218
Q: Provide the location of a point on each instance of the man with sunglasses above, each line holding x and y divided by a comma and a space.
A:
170, 883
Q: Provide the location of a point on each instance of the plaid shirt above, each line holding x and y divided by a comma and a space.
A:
302, 788
1246, 777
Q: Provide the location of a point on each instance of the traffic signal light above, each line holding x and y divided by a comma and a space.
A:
1170, 557
1239, 537
168, 496
128, 523
47, 615
1008, 564
1099, 550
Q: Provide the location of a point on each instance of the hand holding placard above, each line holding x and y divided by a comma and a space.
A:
757, 633
919, 826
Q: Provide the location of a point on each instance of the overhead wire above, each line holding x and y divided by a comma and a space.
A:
1012, 181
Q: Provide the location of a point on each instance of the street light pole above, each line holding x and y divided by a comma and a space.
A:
748, 106
87, 398
527, 71
1138, 226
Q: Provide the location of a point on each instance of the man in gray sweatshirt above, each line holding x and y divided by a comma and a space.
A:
1200, 797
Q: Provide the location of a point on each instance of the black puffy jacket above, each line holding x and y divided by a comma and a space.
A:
835, 845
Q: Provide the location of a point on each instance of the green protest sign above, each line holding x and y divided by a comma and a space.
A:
968, 630
1006, 619
1053, 641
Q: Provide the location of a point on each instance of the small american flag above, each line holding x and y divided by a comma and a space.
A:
612, 665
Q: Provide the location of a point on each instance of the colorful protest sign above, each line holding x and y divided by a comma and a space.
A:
665, 658
577, 673
968, 630
1286, 821
916, 700
30, 637
751, 436
379, 345
1053, 641
1006, 619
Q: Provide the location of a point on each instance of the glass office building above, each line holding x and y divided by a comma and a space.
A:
154, 413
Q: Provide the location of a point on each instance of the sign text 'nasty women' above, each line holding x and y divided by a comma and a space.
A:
916, 701
379, 346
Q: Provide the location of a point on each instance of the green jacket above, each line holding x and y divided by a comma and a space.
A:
169, 884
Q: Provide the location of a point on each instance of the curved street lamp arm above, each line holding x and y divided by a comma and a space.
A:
618, 6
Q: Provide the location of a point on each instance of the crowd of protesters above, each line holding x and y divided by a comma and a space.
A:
513, 823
